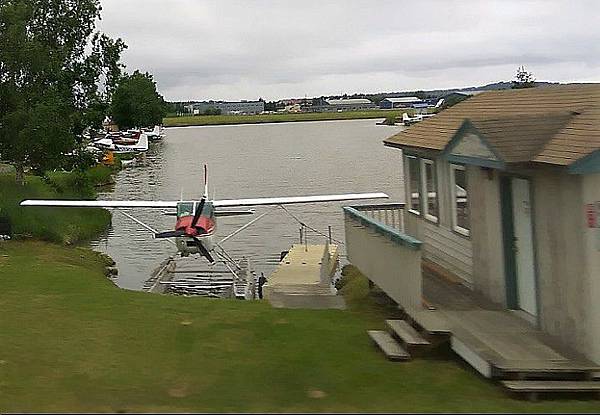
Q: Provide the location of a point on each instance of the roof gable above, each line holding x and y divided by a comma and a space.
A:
587, 165
552, 124
468, 146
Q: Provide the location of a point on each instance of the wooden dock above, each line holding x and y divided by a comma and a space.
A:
192, 276
303, 279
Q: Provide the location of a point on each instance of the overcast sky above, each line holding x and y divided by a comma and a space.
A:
276, 49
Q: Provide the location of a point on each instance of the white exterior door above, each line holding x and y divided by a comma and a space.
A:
524, 255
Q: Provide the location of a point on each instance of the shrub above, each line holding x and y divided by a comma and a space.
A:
61, 225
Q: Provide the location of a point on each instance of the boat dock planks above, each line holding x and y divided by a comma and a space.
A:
303, 278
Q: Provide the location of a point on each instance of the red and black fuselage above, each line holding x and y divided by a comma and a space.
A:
202, 231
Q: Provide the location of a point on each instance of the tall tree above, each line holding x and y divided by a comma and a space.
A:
523, 79
136, 103
57, 73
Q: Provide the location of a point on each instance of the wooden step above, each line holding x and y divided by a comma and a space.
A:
543, 386
430, 321
528, 368
406, 333
389, 346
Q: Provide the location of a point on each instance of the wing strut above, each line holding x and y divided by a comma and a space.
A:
139, 222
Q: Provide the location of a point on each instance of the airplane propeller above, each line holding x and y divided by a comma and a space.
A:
203, 250
198, 214
182, 232
170, 234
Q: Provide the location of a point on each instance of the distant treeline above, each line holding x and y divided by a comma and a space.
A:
179, 107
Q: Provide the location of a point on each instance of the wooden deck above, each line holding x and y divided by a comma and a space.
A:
496, 342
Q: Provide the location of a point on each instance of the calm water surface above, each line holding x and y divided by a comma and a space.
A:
244, 161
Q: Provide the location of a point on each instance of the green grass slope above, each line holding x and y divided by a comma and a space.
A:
71, 341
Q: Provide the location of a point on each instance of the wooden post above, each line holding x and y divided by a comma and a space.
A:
305, 239
329, 229
300, 235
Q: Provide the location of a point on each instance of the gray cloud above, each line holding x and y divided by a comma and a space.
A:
275, 49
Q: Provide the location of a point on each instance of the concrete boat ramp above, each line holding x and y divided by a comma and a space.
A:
303, 279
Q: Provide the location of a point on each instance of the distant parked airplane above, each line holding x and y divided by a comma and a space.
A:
140, 146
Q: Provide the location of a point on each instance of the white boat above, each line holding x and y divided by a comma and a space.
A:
128, 163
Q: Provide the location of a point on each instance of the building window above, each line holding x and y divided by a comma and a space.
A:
430, 194
460, 199
413, 185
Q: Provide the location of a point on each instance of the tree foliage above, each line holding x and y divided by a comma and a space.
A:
57, 73
136, 103
212, 111
523, 79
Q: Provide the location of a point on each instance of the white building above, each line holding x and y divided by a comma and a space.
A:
233, 107
349, 104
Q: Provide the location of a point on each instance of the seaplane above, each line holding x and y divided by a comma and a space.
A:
155, 134
196, 223
408, 120
113, 145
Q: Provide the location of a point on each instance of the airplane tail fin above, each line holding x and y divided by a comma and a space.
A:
156, 130
142, 143
205, 181
405, 117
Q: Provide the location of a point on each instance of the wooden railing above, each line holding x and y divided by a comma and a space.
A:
377, 244
389, 214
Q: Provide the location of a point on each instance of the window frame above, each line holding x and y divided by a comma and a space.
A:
455, 227
407, 184
425, 192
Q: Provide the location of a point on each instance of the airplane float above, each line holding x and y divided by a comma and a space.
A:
196, 219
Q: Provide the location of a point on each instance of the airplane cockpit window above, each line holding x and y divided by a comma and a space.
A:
185, 209
208, 209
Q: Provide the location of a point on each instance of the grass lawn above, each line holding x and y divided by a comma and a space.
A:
275, 118
71, 341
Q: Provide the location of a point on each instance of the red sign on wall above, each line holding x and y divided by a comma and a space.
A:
591, 215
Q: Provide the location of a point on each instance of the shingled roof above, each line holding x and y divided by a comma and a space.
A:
556, 124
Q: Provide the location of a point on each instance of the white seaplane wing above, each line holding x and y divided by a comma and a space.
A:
102, 203
216, 203
296, 199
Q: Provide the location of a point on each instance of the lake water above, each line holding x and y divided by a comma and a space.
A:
289, 159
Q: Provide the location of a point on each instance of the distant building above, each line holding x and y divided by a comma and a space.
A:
233, 107
400, 102
293, 108
109, 125
347, 104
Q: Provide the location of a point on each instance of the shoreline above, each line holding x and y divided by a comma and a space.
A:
216, 120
